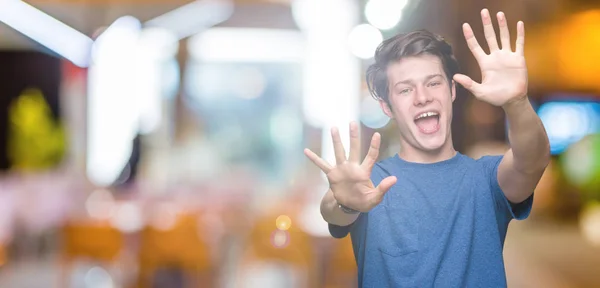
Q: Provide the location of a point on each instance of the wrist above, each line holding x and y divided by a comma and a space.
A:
347, 210
516, 104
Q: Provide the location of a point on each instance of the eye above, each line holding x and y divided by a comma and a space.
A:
404, 91
433, 84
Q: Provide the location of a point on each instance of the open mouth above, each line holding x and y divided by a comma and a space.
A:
428, 122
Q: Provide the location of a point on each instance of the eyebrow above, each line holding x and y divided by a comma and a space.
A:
427, 78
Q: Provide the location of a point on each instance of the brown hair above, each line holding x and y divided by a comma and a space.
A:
406, 45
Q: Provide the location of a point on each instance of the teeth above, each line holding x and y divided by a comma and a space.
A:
426, 114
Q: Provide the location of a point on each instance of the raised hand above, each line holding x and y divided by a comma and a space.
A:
349, 179
504, 72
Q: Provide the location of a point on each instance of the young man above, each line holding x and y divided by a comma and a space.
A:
430, 216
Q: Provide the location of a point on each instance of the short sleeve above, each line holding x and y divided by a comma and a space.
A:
504, 208
339, 232
342, 231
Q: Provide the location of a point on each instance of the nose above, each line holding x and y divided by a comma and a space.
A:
422, 97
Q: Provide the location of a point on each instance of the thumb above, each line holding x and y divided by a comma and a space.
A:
385, 185
468, 83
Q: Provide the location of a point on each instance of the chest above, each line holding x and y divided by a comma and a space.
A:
419, 212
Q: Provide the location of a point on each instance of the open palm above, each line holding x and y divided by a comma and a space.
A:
504, 72
349, 179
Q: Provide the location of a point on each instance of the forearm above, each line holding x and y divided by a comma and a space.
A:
527, 136
332, 213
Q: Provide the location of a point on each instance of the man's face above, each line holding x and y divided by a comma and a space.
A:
421, 101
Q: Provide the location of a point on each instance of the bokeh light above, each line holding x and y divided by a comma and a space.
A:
581, 163
363, 41
97, 277
158, 43
318, 15
590, 223
128, 217
568, 122
280, 239
283, 222
371, 114
165, 216
384, 14
100, 205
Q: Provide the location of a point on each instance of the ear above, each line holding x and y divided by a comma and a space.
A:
386, 109
453, 90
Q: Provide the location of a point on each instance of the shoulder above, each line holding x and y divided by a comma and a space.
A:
487, 167
386, 166
382, 169
489, 162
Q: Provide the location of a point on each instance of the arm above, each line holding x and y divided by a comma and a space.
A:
349, 180
523, 165
332, 213
504, 84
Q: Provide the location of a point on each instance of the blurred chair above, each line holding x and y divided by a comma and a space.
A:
3, 255
177, 247
93, 240
291, 248
341, 270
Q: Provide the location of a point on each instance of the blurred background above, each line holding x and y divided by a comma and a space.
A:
158, 143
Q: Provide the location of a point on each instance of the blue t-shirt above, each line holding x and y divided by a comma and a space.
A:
440, 225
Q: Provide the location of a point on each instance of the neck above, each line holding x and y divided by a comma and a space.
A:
411, 154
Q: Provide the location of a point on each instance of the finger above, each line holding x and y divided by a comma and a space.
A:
520, 38
338, 147
468, 83
488, 30
383, 187
373, 153
354, 143
504, 33
472, 42
386, 184
322, 164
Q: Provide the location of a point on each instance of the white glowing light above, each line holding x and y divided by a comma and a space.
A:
247, 45
126, 82
363, 41
384, 14
113, 119
46, 30
156, 47
331, 72
194, 17
315, 15
158, 43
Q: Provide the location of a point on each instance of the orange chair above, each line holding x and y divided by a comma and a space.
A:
178, 246
97, 241
341, 269
3, 256
293, 247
